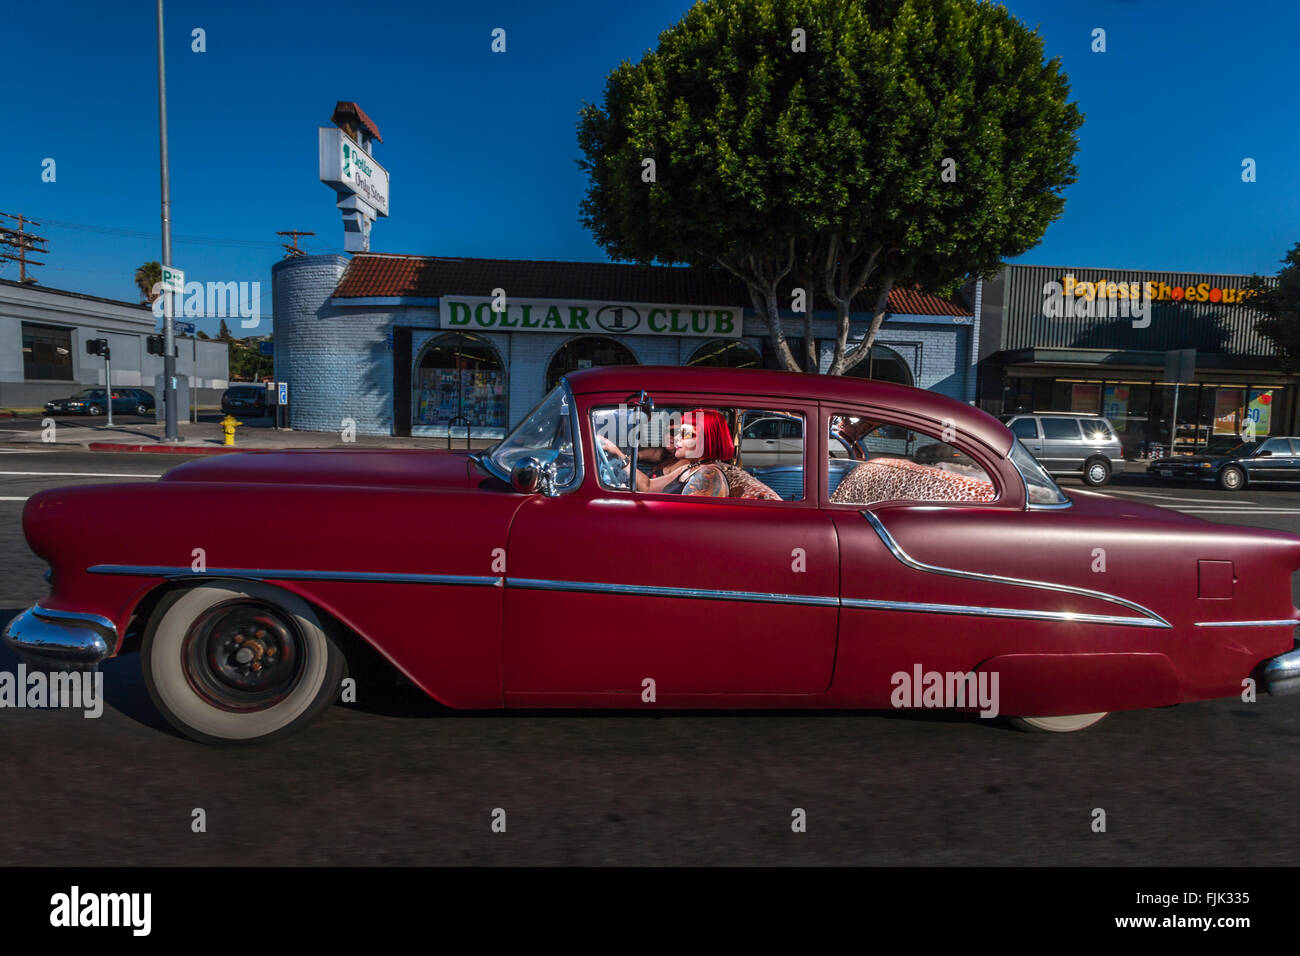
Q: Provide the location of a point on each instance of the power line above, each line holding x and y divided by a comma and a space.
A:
145, 234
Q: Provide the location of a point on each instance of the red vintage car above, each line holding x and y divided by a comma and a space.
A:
895, 548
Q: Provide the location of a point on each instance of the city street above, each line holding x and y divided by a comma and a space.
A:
397, 779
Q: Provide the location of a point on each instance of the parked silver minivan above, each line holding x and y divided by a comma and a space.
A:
1068, 443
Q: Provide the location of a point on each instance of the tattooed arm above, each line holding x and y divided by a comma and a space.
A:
708, 480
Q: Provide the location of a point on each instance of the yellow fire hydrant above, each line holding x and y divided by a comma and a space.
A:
228, 429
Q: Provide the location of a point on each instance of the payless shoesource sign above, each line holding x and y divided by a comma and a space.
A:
473, 313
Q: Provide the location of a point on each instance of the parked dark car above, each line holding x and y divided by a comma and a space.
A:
1233, 464
91, 401
244, 400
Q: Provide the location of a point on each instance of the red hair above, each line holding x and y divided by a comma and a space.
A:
712, 438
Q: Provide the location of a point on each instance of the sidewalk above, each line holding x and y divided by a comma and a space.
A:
205, 438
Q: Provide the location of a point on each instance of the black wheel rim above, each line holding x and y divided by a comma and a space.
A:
243, 655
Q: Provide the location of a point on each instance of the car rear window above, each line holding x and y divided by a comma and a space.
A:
1061, 429
1096, 429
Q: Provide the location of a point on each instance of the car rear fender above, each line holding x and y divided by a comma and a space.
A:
1049, 685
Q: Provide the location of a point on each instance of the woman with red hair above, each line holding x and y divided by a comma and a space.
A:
702, 442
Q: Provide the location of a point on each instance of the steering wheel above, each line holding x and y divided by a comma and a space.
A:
609, 468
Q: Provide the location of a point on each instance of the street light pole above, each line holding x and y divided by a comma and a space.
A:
169, 328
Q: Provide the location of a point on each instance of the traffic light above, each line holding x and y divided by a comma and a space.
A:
155, 344
98, 347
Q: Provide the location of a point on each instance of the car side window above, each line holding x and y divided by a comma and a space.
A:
898, 463
1024, 428
1066, 429
1276, 446
701, 451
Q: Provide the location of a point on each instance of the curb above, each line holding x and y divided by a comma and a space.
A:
166, 449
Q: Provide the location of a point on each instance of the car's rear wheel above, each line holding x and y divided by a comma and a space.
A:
1096, 472
142, 409
1057, 725
239, 662
1232, 478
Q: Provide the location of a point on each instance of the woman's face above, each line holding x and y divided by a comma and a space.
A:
684, 443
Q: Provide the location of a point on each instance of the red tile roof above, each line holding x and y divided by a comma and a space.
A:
379, 274
346, 108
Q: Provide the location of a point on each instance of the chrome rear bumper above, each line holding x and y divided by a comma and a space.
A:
1282, 673
61, 639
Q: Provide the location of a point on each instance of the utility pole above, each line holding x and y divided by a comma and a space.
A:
169, 328
293, 251
24, 242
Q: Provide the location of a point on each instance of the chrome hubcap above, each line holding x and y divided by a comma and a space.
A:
243, 655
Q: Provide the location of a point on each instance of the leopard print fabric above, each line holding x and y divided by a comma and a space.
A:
891, 479
741, 484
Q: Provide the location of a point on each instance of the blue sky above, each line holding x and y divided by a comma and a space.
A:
481, 146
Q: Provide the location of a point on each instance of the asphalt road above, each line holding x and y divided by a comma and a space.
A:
397, 780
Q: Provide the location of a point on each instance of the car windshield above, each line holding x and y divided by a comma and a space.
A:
546, 434
1230, 446
1040, 489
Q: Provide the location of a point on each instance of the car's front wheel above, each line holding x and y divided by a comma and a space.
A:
239, 662
94, 410
1096, 472
1057, 725
1232, 478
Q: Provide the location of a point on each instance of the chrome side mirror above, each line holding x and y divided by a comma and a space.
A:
531, 475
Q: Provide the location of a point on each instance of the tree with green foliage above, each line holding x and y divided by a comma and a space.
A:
844, 147
223, 332
247, 363
147, 278
1279, 302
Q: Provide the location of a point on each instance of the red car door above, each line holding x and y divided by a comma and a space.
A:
605, 590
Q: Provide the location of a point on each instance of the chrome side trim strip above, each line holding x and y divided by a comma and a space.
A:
595, 587
1286, 622
897, 551
382, 577
966, 609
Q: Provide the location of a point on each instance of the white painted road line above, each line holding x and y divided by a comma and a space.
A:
5, 498
1147, 494
76, 474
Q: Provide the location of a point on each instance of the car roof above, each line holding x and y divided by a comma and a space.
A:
797, 385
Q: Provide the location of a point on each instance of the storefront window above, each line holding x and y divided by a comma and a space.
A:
587, 352
460, 381
725, 355
885, 365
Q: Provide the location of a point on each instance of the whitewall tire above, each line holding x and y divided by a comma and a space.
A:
239, 662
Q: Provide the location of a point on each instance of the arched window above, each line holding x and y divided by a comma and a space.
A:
884, 365
725, 354
460, 378
586, 352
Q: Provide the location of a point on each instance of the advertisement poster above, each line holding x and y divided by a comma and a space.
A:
1260, 411
1084, 398
1227, 411
1114, 404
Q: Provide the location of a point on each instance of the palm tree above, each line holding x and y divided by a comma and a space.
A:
147, 278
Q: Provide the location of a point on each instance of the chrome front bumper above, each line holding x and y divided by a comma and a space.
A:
1282, 673
61, 639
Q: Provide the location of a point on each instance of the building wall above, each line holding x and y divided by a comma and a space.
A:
337, 354
125, 326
